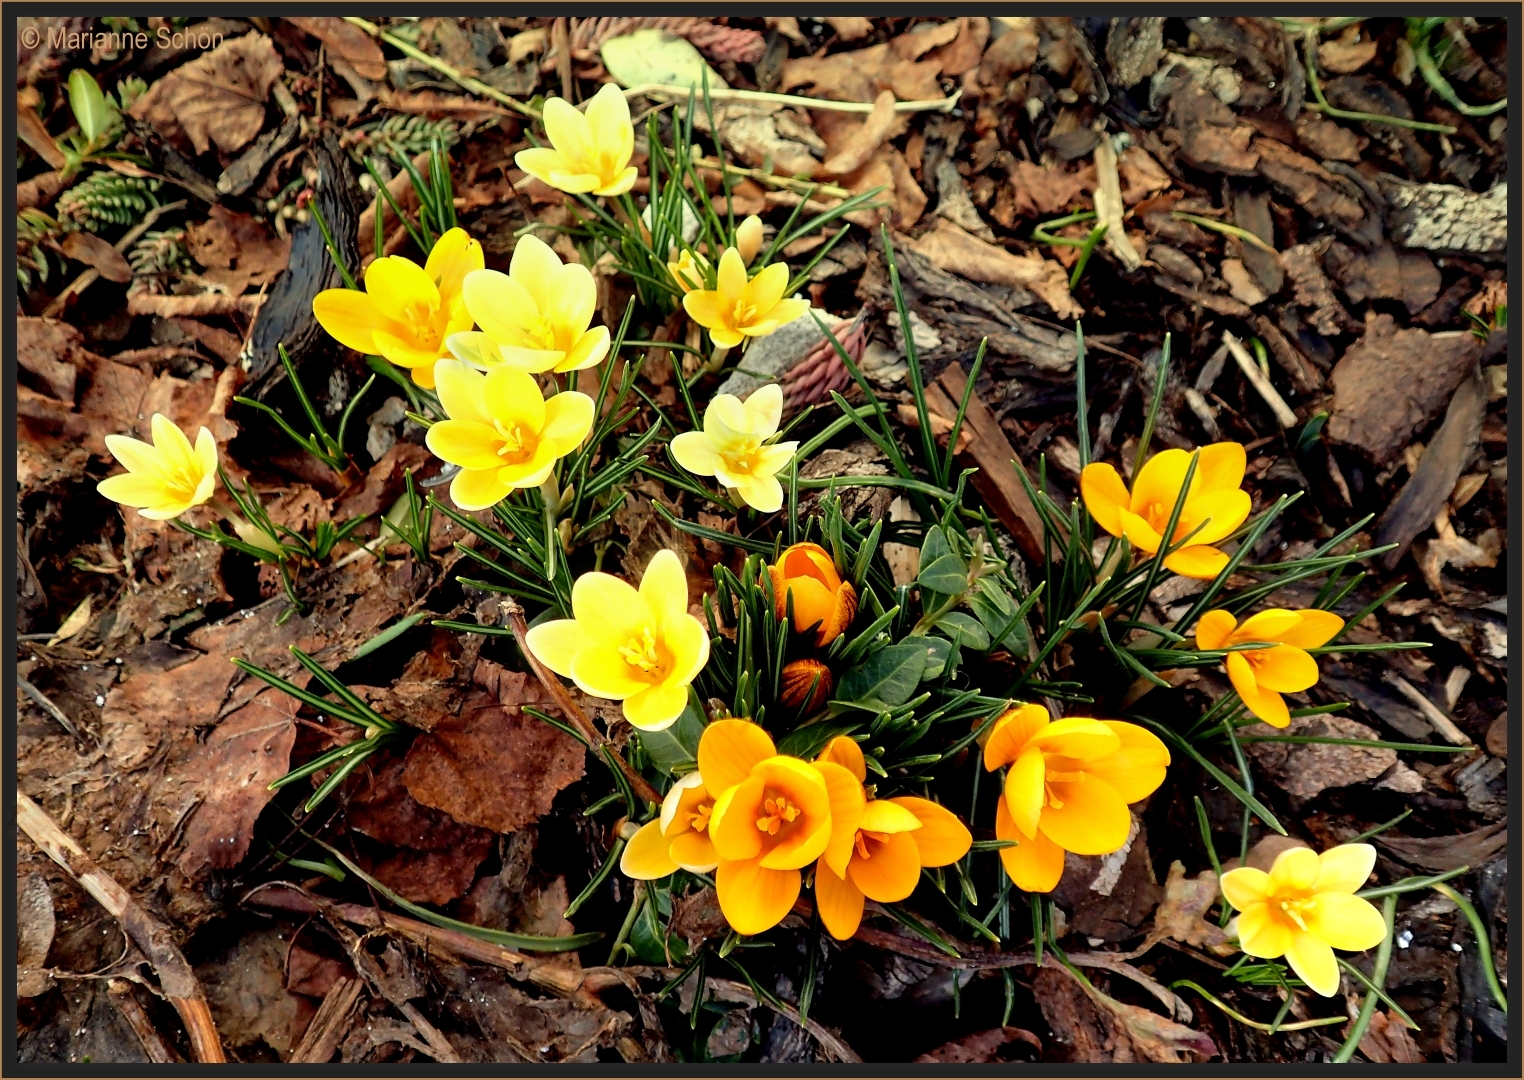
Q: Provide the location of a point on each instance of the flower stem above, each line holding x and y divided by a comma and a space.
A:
717, 359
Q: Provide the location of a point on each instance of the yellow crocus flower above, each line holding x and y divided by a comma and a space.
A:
883, 856
1305, 908
1067, 788
406, 311
733, 447
640, 647
678, 838
749, 238
1261, 676
737, 308
164, 478
535, 317
822, 600
688, 270
501, 432
1215, 502
588, 154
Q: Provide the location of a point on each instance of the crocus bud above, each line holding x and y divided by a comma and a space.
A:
821, 598
807, 685
749, 238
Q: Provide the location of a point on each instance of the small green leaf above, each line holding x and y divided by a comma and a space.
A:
937, 652
965, 630
91, 112
887, 678
676, 745
993, 606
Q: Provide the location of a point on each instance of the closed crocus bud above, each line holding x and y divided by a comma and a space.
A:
749, 238
821, 599
807, 685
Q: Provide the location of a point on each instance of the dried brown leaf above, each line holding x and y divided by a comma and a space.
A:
346, 42
87, 248
983, 1047
1041, 192
864, 140
861, 75
219, 97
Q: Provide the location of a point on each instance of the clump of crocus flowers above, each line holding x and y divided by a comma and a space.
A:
758, 819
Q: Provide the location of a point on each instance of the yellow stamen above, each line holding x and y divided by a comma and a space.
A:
779, 810
641, 652
699, 820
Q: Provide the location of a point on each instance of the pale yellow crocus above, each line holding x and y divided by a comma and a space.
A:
737, 309
734, 448
164, 478
588, 154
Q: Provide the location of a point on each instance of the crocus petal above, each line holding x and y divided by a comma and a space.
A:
887, 816
753, 897
624, 182
1245, 887
138, 456
1345, 922
1198, 561
575, 183
1139, 533
1214, 628
811, 601
1241, 675
1010, 734
1221, 465
942, 839
1093, 819
761, 493
511, 396
782, 313
568, 419
664, 585
764, 409
1314, 962
1138, 767
656, 708
839, 901
846, 753
571, 305
805, 787
694, 852
349, 316
608, 118
646, 857
568, 130
1267, 625
765, 289
1268, 706
847, 806
1286, 669
1105, 496
1315, 630
589, 350
1025, 794
502, 306
733, 822
1261, 933
731, 276
600, 669
133, 489
477, 489
536, 268
1220, 511
541, 162
1159, 482
709, 309
461, 392
556, 644
694, 452
687, 640
1036, 863
405, 351
467, 443
891, 872
1077, 737
1295, 871
609, 608
396, 284
453, 256
729, 750
685, 796
1345, 868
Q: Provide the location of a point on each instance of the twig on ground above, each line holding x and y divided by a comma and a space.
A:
330, 1024
176, 978
476, 86
1257, 379
946, 104
88, 278
47, 705
1431, 712
154, 1045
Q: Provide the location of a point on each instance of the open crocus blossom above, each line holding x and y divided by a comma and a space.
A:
678, 838
773, 815
588, 154
893, 841
535, 317
501, 432
821, 599
732, 447
737, 309
406, 311
1261, 676
1067, 788
164, 478
1214, 504
1304, 909
640, 647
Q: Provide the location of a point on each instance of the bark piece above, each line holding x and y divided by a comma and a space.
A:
1251, 210
1303, 770
1430, 485
1312, 289
996, 1045
1211, 137
1441, 853
1312, 186
1441, 217
952, 249
1392, 382
92, 251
